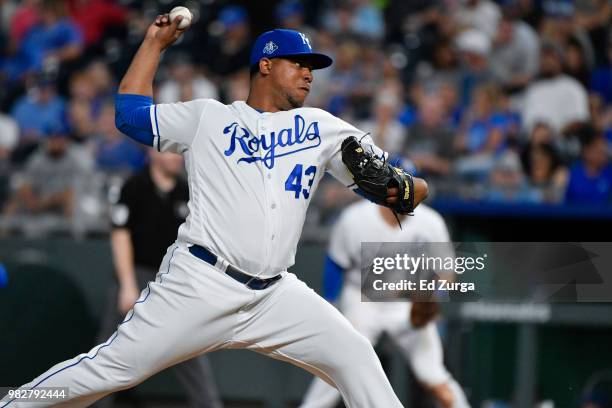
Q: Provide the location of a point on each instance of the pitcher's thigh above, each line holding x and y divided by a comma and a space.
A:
297, 325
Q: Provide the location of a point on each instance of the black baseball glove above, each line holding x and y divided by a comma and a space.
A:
374, 177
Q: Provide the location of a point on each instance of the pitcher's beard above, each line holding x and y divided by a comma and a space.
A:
294, 103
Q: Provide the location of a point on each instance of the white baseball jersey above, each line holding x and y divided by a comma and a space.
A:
251, 175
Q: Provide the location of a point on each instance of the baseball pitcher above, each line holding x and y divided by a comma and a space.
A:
252, 169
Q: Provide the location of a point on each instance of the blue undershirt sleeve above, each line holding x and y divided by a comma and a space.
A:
132, 117
333, 275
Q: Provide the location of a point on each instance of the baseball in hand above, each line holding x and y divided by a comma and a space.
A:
183, 12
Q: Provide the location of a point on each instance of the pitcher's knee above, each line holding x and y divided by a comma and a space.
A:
120, 376
360, 346
353, 349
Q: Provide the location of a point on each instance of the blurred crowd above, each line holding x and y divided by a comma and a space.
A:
498, 101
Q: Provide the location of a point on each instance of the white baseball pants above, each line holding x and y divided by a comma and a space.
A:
193, 308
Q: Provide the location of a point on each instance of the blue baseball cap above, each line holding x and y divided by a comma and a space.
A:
286, 43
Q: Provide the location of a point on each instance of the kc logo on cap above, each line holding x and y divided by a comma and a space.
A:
305, 40
270, 48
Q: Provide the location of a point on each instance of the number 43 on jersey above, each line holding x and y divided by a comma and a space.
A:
294, 180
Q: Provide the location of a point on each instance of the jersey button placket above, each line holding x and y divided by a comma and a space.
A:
275, 217
268, 192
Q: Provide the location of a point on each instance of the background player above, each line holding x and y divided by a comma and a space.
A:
252, 167
150, 208
417, 336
